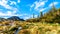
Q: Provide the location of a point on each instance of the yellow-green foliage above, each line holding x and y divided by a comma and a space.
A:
52, 16
32, 28
42, 28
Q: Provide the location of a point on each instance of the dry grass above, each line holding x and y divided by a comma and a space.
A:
33, 28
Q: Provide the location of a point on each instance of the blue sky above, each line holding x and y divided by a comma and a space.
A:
25, 8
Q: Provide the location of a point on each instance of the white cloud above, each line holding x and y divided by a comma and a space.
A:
32, 5
1, 9
4, 1
55, 3
15, 10
12, 10
5, 17
43, 0
37, 4
13, 3
42, 9
4, 4
27, 17
7, 6
2, 14
18, 1
10, 13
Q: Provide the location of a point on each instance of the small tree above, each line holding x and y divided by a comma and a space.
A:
33, 15
38, 16
41, 14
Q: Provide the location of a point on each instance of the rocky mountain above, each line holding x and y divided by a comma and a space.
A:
15, 18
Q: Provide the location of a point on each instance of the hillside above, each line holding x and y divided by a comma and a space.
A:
51, 16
